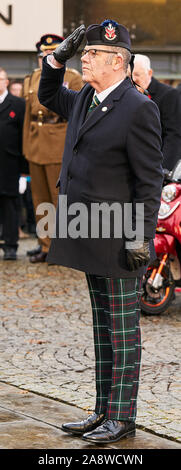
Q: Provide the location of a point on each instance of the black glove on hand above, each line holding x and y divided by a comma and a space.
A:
69, 46
137, 257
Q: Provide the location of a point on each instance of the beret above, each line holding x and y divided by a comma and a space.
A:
108, 33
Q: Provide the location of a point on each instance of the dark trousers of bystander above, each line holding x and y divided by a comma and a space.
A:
9, 220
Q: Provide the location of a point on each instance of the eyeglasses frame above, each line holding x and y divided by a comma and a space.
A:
84, 51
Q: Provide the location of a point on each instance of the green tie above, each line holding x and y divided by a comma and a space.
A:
94, 104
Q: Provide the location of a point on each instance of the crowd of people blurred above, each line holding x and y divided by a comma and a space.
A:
32, 142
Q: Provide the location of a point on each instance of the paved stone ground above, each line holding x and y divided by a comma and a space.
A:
31, 421
46, 343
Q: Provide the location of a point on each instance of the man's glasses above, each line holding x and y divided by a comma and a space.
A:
92, 52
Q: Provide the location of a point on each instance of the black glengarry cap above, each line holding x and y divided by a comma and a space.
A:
108, 33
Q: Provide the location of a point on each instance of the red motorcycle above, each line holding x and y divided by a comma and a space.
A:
163, 276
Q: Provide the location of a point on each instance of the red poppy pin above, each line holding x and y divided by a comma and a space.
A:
12, 114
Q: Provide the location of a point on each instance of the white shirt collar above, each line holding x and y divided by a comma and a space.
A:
3, 96
103, 94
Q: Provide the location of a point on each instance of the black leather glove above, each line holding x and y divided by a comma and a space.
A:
138, 257
69, 46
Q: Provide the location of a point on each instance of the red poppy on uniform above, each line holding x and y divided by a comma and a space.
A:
12, 114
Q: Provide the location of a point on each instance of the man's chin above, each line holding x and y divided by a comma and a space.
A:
85, 76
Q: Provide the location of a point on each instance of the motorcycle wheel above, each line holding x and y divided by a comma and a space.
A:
155, 304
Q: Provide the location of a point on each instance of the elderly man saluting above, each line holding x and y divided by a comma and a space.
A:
112, 154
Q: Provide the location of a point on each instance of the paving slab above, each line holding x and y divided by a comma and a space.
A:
30, 421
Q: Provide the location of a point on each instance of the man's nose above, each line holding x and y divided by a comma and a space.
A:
85, 58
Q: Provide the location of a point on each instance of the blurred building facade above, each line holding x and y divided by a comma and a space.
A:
154, 27
22, 23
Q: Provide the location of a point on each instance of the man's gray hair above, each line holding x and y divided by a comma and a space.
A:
143, 60
124, 52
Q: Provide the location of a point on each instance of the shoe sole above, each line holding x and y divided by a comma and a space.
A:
101, 441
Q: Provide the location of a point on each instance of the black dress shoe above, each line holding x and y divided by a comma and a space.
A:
36, 251
9, 254
110, 431
39, 258
84, 426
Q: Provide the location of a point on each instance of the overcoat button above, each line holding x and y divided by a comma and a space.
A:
104, 109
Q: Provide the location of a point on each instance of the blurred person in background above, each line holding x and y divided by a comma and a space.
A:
168, 101
15, 88
43, 139
12, 110
27, 222
179, 87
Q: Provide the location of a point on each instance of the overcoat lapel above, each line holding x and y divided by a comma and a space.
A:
5, 103
81, 109
153, 88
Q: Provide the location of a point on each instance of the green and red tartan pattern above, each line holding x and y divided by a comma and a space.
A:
117, 342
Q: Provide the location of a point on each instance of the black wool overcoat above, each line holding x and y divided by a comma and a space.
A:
114, 155
11, 160
168, 100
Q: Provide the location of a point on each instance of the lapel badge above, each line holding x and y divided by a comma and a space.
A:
104, 109
110, 32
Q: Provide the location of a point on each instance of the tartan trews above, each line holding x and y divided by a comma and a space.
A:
117, 342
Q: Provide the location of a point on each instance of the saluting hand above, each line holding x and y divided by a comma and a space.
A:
69, 46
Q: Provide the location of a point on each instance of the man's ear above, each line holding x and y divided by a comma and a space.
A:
118, 61
150, 73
